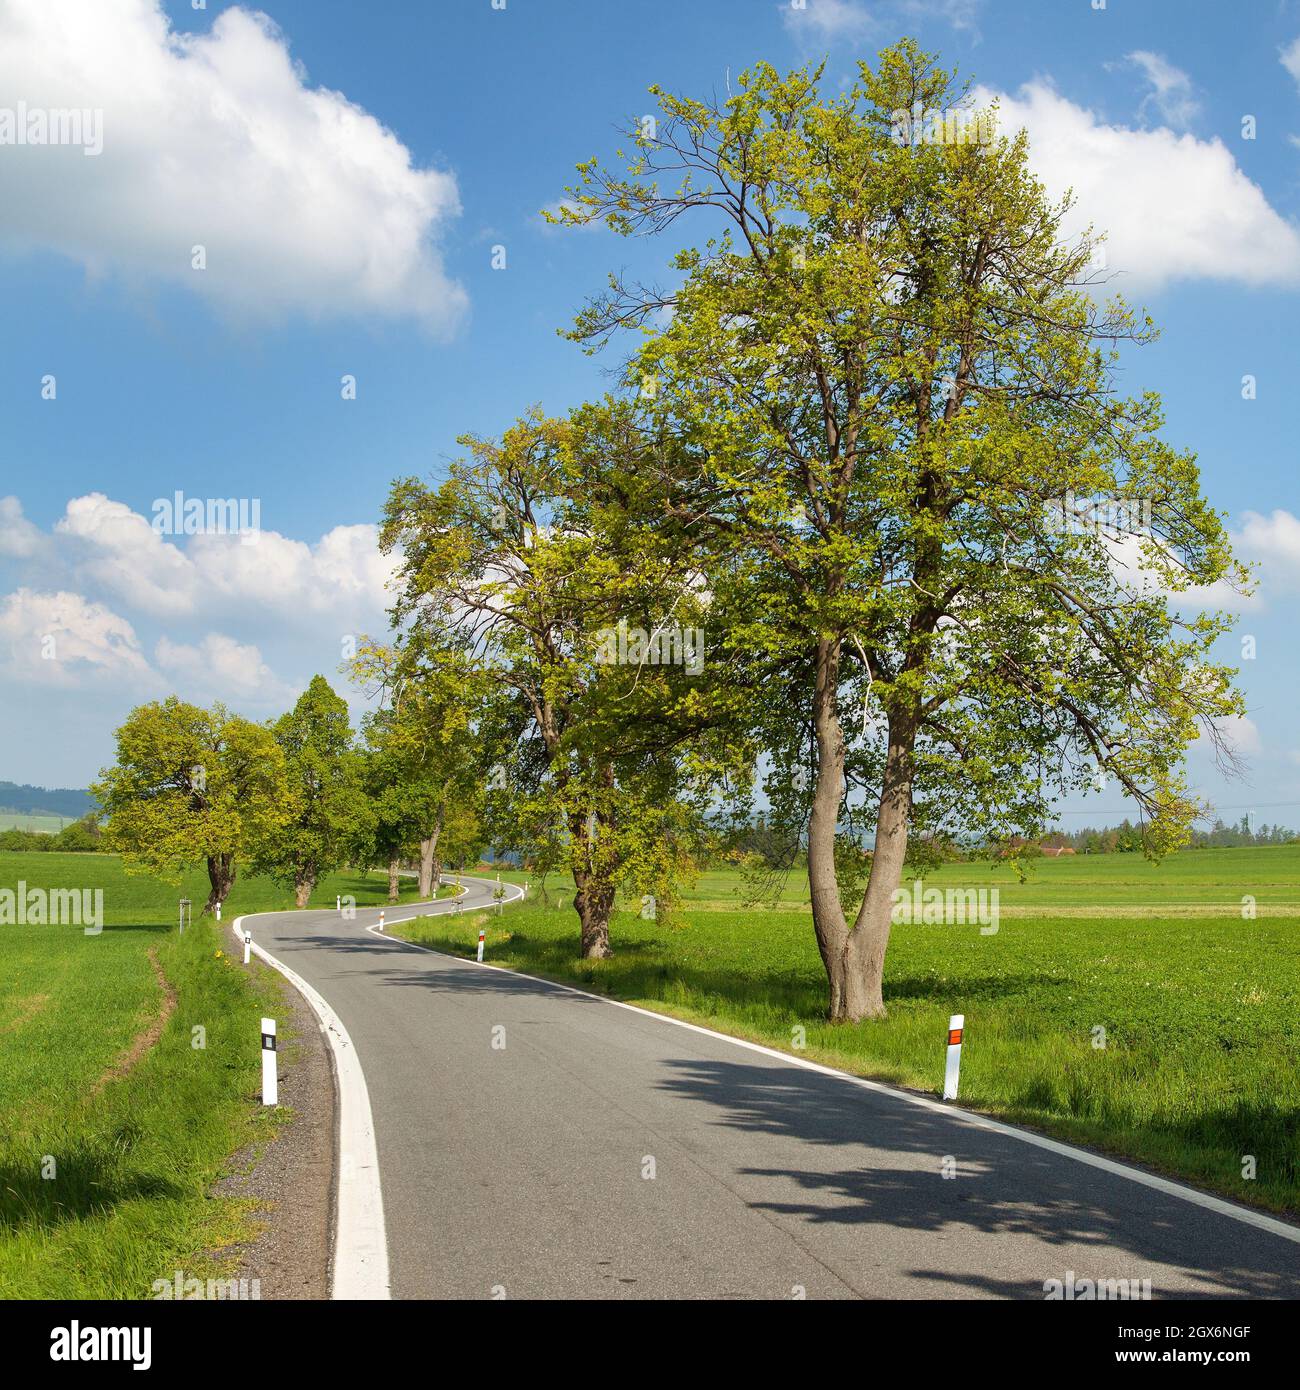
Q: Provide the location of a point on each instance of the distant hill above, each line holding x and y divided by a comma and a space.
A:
58, 801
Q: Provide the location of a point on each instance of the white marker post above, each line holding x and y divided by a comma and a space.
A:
270, 1082
482, 932
956, 1025
248, 945
338, 902
381, 921
185, 911
218, 912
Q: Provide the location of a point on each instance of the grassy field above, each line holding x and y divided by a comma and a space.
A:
48, 824
113, 1125
1195, 1069
1210, 880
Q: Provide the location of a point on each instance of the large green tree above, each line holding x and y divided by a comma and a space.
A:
889, 370
192, 786
326, 808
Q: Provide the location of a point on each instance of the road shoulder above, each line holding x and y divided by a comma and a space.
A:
292, 1177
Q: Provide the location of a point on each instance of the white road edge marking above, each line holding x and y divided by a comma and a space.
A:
1173, 1189
360, 1255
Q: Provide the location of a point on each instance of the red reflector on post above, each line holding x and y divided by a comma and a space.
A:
954, 1037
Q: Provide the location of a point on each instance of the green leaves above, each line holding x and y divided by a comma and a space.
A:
189, 785
326, 812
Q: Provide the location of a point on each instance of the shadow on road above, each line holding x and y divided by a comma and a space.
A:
1003, 1187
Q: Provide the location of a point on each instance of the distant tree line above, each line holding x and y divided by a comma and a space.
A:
1128, 838
765, 842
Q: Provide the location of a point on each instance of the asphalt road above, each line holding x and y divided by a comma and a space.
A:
534, 1142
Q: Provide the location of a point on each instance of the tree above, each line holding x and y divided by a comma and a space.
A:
191, 786
398, 811
326, 806
890, 380
430, 742
520, 561
82, 836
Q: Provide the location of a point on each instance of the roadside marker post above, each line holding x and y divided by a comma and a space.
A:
218, 912
482, 932
956, 1026
381, 921
186, 910
338, 902
270, 1082
248, 945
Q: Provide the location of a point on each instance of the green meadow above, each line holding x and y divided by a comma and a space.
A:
1124, 1006
46, 824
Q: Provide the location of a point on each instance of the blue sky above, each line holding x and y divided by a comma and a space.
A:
349, 169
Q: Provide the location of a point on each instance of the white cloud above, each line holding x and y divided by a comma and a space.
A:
18, 537
220, 667
57, 638
1171, 91
1239, 734
829, 21
121, 551
343, 575
1274, 543
1174, 207
303, 201
1290, 58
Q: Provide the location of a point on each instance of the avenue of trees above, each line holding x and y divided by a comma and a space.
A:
808, 554
295, 799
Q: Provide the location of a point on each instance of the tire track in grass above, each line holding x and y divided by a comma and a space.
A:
143, 1041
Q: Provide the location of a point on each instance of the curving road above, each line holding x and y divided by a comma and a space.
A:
536, 1142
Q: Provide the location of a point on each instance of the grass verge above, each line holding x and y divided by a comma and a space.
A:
120, 1113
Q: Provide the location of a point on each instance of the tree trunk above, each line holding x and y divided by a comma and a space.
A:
428, 849
594, 900
823, 887
865, 961
302, 888
594, 903
392, 879
854, 958
221, 875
